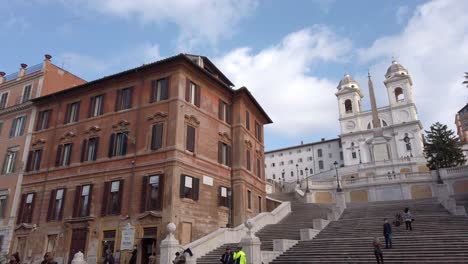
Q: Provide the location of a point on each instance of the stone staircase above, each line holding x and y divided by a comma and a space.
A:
301, 216
437, 236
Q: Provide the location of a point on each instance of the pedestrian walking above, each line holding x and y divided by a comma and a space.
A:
179, 259
387, 231
109, 258
239, 256
48, 259
378, 251
227, 257
408, 219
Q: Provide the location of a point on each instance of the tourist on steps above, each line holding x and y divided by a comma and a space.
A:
387, 231
408, 219
227, 257
239, 256
378, 251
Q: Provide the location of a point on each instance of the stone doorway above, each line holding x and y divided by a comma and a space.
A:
78, 242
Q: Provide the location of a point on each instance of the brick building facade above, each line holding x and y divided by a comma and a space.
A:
164, 142
16, 119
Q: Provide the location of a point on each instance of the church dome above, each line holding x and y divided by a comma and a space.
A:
347, 81
394, 69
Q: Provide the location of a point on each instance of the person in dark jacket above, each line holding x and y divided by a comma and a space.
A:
387, 231
133, 259
48, 259
227, 257
108, 258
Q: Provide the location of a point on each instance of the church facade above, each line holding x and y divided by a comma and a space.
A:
384, 140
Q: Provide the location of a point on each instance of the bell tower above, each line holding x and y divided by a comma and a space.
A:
349, 97
399, 85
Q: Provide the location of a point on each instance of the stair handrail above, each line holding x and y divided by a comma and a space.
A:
223, 235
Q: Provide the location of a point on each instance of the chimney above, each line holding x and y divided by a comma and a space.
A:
2, 77
47, 58
22, 71
323, 139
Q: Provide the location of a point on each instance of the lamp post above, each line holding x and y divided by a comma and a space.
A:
307, 180
282, 184
359, 152
338, 187
439, 179
297, 171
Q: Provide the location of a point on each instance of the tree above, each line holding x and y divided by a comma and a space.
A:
442, 148
466, 77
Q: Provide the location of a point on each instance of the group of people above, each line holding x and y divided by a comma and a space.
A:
388, 233
237, 257
48, 259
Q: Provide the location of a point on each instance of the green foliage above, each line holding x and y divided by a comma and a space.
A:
442, 148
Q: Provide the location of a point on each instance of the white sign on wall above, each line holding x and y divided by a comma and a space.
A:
128, 235
207, 180
188, 182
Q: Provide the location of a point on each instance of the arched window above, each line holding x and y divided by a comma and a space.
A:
348, 106
383, 123
399, 96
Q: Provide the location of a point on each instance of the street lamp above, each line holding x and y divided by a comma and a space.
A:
439, 179
338, 187
307, 180
297, 170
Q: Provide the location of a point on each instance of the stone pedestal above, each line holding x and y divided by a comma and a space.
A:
309, 197
169, 246
251, 245
341, 200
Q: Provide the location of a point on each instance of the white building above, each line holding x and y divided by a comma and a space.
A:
383, 140
286, 164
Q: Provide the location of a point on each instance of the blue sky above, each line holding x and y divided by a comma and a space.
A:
291, 56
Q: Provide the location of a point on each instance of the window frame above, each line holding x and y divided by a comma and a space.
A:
223, 201
16, 131
34, 160
23, 100
4, 104
86, 155
79, 210
72, 113
54, 213
107, 208
148, 204
118, 144
157, 143
43, 119
121, 102
249, 199
189, 192
96, 107
6, 163
156, 90
192, 93
190, 138
3, 205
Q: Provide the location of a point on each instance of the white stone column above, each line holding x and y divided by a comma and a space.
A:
169, 246
251, 245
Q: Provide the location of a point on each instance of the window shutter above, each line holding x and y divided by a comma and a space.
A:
220, 152
37, 165
187, 90
111, 146
191, 138
159, 135
154, 87
219, 196
161, 192
71, 155
125, 141
196, 188
248, 160
103, 104
40, 116
48, 115
229, 156
90, 200
197, 95
229, 114
29, 161
76, 118
66, 117
19, 216
153, 137
3, 211
83, 150
13, 127
118, 100
63, 204
23, 124
4, 163
130, 97
121, 191
96, 147
144, 187
220, 109
50, 209
182, 185
77, 202
33, 204
165, 89
58, 157
105, 198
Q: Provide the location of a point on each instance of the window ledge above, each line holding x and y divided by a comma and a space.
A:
80, 219
188, 200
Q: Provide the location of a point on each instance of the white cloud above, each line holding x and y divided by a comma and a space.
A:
281, 80
433, 46
199, 21
401, 14
90, 67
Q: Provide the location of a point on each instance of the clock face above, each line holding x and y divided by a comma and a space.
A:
350, 125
